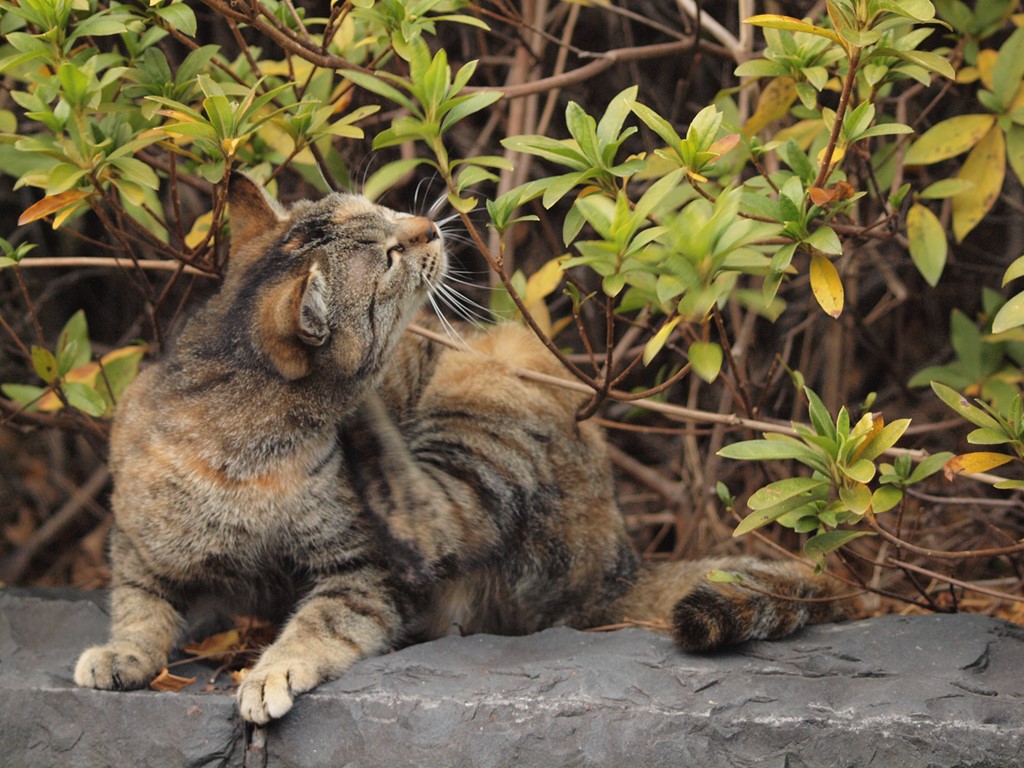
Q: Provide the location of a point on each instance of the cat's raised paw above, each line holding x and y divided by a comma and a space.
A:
115, 667
269, 690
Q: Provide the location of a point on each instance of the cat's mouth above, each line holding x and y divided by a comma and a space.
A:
435, 259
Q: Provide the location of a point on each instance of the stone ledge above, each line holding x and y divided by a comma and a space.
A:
912, 692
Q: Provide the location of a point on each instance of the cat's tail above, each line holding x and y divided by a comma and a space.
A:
764, 600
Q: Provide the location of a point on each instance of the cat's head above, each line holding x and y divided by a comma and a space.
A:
328, 286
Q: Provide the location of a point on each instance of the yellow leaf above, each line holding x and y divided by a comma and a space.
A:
969, 463
826, 285
62, 216
986, 63
967, 75
230, 146
165, 681
544, 281
200, 228
803, 132
985, 167
949, 138
776, 21
838, 153
659, 340
217, 646
295, 69
876, 425
775, 100
51, 204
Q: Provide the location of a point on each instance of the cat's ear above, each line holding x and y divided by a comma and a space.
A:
251, 211
293, 321
311, 323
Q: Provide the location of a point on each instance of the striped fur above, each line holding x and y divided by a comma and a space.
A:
299, 457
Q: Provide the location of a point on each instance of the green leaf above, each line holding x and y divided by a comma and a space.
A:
885, 498
465, 106
760, 68
783, 490
1010, 315
825, 240
944, 188
884, 129
1015, 150
756, 520
385, 178
84, 398
619, 108
929, 467
928, 245
118, 369
612, 285
1009, 68
984, 436
884, 440
76, 330
658, 124
959, 403
376, 84
863, 470
1015, 270
768, 450
920, 10
706, 359
179, 16
100, 25
933, 62
818, 546
821, 420
45, 363
857, 497
23, 394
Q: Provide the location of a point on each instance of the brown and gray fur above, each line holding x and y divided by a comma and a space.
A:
300, 457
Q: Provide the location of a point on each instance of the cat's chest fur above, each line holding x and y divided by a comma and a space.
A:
213, 492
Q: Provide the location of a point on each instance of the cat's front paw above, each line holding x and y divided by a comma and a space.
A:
270, 689
115, 667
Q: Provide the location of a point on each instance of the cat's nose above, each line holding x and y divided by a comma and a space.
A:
417, 230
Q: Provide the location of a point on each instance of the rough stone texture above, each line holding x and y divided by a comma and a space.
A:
915, 692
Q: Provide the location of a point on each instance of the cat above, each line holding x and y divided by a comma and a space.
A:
301, 457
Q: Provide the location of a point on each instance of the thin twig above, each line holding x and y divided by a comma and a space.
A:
956, 582
61, 262
939, 554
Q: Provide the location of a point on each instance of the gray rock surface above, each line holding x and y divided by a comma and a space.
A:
914, 692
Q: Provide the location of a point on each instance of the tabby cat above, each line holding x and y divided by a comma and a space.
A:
300, 457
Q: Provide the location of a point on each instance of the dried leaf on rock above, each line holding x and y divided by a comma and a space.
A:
165, 681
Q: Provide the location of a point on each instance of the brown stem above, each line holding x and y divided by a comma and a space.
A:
938, 553
844, 101
956, 582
